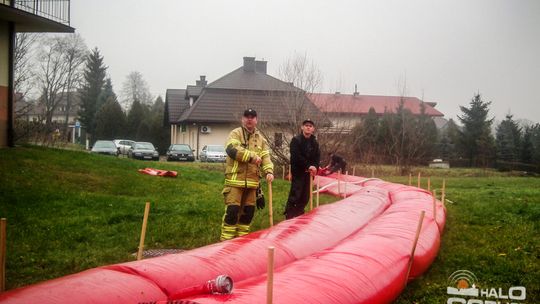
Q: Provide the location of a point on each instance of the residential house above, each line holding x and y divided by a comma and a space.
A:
205, 113
345, 111
35, 111
23, 16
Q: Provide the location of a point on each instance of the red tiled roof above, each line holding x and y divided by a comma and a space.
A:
360, 104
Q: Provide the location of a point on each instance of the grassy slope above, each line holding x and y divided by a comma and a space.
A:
69, 211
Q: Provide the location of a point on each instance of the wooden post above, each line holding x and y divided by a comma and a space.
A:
443, 191
143, 231
310, 192
354, 171
318, 188
372, 172
411, 259
345, 186
339, 183
270, 208
290, 174
270, 276
410, 179
429, 183
434, 204
3, 243
283, 171
419, 177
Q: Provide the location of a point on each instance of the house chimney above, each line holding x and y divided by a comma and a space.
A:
202, 82
249, 64
260, 66
356, 90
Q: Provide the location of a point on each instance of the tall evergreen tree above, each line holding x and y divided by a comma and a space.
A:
106, 94
364, 137
476, 141
449, 136
159, 133
136, 115
508, 140
110, 120
423, 141
93, 83
527, 147
535, 139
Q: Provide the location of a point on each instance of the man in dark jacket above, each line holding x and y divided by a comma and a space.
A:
305, 157
337, 163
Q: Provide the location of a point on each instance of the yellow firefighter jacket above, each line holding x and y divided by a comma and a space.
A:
242, 147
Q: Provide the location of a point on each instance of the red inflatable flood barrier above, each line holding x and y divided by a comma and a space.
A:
352, 251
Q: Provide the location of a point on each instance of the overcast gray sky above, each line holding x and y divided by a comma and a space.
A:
446, 50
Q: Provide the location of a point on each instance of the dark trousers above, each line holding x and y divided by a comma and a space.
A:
298, 196
340, 166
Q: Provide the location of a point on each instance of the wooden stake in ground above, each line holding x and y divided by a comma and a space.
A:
3, 242
354, 171
318, 188
345, 186
411, 259
443, 191
283, 171
270, 208
310, 192
270, 276
429, 184
372, 172
339, 183
419, 177
410, 179
143, 231
434, 204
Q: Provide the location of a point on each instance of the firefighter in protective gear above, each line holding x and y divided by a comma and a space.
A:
247, 155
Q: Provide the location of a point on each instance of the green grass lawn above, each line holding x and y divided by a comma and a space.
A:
68, 211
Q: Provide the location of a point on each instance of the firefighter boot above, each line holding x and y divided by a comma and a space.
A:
245, 220
230, 219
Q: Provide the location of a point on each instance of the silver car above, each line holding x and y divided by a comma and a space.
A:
124, 145
213, 153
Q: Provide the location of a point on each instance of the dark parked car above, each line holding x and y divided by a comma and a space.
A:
180, 152
143, 150
105, 147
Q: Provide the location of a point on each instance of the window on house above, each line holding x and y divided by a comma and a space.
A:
278, 140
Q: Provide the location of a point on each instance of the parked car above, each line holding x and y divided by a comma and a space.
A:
213, 153
180, 152
124, 145
105, 147
143, 150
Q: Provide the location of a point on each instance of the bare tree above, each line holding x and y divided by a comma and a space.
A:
22, 62
52, 75
74, 53
135, 88
304, 77
60, 58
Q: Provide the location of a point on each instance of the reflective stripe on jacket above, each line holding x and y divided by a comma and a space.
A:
241, 148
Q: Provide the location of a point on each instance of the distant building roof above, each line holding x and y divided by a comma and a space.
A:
225, 99
175, 104
228, 106
360, 104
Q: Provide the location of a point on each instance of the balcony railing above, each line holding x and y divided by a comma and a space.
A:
56, 10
